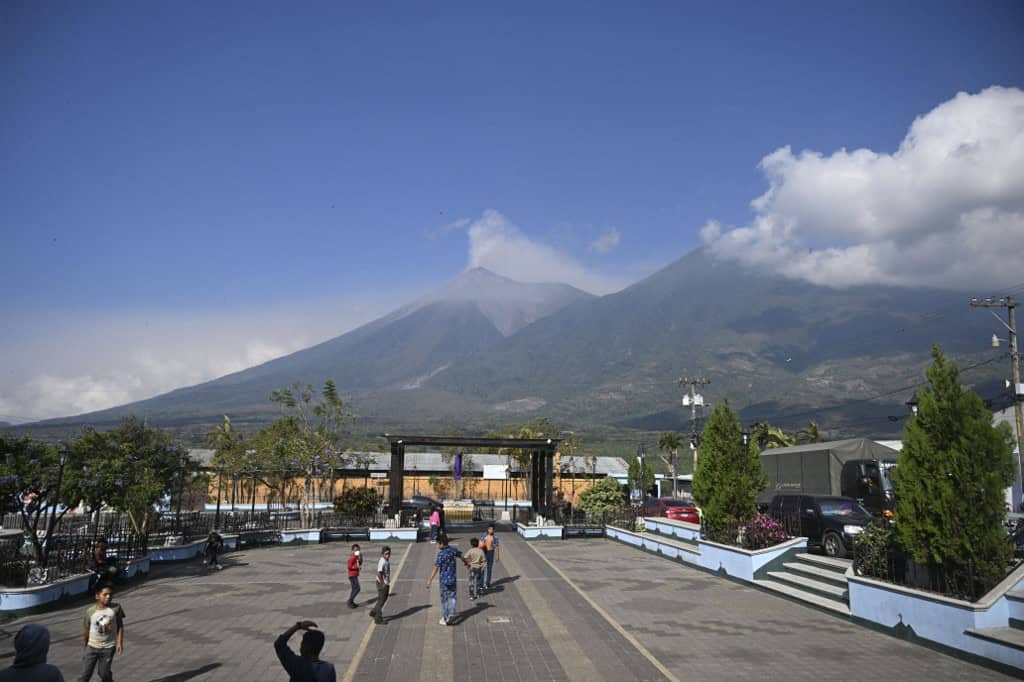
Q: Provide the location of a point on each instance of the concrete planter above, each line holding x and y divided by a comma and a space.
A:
184, 552
687, 532
733, 561
539, 532
393, 534
303, 534
941, 619
18, 598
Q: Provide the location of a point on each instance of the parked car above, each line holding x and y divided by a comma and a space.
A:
671, 508
830, 524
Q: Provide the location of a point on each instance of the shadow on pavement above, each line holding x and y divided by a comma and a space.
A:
188, 674
408, 612
466, 615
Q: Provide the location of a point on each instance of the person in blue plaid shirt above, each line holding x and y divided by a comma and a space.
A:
445, 565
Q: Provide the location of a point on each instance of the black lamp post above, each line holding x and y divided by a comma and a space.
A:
62, 460
745, 435
912, 404
220, 478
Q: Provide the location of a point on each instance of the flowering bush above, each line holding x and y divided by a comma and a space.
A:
763, 531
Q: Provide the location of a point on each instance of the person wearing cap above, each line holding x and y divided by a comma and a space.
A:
31, 645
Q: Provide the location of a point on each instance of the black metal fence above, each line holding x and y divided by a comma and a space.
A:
959, 580
764, 530
69, 550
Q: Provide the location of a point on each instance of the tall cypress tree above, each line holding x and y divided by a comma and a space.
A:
729, 475
950, 480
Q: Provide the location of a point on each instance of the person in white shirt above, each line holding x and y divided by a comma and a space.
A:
383, 585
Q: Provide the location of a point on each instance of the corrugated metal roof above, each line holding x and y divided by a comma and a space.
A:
433, 461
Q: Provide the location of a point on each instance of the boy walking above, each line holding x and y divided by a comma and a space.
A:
355, 562
476, 560
103, 635
491, 551
383, 585
445, 565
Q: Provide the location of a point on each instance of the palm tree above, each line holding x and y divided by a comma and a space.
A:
809, 434
669, 442
228, 450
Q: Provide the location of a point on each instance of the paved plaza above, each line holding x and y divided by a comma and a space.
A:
573, 610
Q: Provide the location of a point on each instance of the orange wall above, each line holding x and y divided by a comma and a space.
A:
444, 487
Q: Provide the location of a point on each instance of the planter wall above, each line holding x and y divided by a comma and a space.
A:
397, 534
177, 552
304, 534
733, 561
539, 532
688, 532
939, 619
17, 598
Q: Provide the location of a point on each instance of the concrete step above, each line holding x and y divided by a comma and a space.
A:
816, 571
796, 593
826, 561
807, 583
1011, 637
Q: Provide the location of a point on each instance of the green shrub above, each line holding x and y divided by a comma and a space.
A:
604, 497
356, 502
874, 549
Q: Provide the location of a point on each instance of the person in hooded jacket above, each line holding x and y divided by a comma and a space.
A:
31, 645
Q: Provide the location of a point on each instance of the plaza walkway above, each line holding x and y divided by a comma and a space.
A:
574, 610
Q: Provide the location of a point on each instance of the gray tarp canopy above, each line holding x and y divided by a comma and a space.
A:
838, 451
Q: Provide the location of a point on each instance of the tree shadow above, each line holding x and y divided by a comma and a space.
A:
188, 674
408, 612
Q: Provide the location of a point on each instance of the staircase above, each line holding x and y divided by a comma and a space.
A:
817, 580
1012, 635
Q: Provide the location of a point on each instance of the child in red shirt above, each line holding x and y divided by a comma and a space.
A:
355, 561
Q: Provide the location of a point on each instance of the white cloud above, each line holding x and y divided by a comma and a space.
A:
70, 366
945, 210
606, 242
500, 246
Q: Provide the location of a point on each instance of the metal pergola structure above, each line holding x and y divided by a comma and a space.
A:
542, 462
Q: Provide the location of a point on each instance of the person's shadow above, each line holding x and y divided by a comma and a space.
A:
499, 584
188, 674
408, 612
466, 615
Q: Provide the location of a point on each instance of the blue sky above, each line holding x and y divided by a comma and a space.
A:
236, 165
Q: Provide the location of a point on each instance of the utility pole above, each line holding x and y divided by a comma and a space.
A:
1017, 388
693, 400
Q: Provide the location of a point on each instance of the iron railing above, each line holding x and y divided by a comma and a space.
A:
70, 551
889, 563
764, 530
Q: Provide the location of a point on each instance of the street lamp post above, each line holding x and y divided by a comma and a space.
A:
62, 460
912, 404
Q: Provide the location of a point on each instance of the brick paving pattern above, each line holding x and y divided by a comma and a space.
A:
185, 625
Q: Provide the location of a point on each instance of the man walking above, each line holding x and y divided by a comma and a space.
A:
383, 585
355, 562
445, 565
307, 666
103, 635
489, 541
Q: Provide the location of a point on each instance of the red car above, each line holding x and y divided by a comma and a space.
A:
671, 508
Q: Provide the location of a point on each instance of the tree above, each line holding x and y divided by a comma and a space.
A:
37, 481
669, 443
766, 436
541, 427
314, 446
950, 479
729, 475
641, 476
229, 452
149, 467
604, 497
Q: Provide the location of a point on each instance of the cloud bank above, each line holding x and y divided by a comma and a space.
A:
945, 210
500, 246
71, 366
